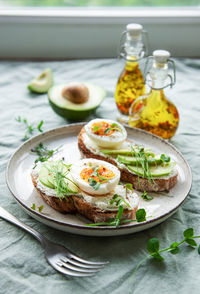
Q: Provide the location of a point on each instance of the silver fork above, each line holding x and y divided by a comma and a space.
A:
59, 257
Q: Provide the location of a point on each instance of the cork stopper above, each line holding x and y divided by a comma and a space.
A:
134, 30
161, 56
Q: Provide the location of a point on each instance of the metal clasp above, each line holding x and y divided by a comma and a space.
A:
121, 48
172, 79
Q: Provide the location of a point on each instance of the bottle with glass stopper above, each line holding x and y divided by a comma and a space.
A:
130, 83
154, 112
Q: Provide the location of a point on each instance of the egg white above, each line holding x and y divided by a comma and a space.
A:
110, 141
104, 188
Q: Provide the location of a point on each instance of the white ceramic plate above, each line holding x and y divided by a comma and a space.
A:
159, 209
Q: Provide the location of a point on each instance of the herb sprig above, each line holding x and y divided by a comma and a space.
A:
29, 127
146, 196
43, 152
58, 173
40, 208
153, 247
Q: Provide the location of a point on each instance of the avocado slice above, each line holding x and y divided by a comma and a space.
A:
138, 161
44, 177
73, 111
42, 83
116, 152
47, 178
156, 171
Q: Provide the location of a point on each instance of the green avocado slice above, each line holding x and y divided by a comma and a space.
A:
74, 111
138, 161
47, 178
156, 171
44, 177
42, 83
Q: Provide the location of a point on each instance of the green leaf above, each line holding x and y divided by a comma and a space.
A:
107, 131
146, 196
157, 256
175, 248
129, 186
153, 245
199, 249
141, 215
191, 242
33, 206
39, 126
40, 208
189, 233
165, 158
95, 129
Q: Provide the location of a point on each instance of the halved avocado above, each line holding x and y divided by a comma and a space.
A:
42, 83
74, 111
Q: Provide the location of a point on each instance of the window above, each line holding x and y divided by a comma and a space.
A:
64, 29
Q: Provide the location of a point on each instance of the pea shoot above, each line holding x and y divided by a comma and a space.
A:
43, 152
153, 247
29, 127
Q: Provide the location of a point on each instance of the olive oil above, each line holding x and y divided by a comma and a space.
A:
129, 87
154, 112
130, 84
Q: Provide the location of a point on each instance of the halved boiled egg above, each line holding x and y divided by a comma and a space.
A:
95, 177
105, 132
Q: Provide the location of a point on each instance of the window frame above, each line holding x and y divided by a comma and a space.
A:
175, 29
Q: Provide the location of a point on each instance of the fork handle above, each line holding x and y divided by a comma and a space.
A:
12, 219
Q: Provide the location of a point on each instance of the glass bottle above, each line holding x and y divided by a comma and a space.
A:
154, 112
130, 83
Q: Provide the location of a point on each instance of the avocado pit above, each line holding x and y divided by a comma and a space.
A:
76, 93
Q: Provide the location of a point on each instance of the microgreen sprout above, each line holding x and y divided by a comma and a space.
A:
146, 196
58, 172
29, 127
153, 247
165, 158
43, 152
40, 208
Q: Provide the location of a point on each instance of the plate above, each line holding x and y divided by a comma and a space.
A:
162, 206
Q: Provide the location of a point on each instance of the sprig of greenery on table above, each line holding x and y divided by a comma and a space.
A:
29, 127
43, 152
153, 247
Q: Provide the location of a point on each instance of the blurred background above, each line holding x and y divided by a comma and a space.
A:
67, 29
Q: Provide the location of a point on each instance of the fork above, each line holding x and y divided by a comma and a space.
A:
59, 257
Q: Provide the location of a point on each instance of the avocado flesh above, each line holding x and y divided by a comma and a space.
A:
44, 178
47, 179
116, 152
156, 171
42, 83
73, 111
138, 161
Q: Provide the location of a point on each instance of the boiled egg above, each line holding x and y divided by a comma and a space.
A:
95, 177
105, 132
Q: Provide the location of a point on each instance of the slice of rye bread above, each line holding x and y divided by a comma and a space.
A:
139, 183
75, 204
97, 215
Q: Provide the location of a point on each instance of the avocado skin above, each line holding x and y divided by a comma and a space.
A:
74, 115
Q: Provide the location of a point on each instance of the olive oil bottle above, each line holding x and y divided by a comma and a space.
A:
130, 84
154, 112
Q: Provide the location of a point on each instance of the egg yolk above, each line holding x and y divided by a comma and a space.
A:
98, 174
102, 128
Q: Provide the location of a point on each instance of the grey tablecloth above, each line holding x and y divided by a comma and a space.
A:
23, 268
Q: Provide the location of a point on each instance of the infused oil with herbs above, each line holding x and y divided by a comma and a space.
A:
154, 112
130, 84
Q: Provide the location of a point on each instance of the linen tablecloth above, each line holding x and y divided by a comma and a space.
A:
23, 268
